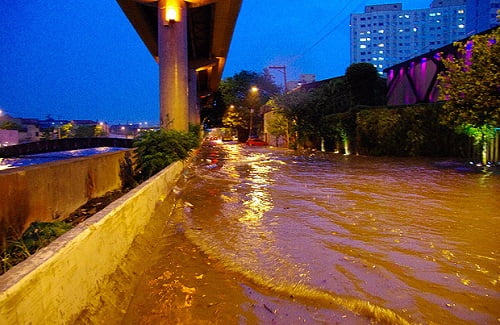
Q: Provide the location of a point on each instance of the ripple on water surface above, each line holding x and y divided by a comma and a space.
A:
325, 238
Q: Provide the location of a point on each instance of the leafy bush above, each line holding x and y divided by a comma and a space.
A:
407, 131
38, 235
155, 150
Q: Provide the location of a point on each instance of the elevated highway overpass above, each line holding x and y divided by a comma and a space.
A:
190, 41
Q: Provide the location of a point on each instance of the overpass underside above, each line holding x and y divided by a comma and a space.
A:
190, 41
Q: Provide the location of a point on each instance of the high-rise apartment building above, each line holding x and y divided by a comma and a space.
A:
481, 15
385, 35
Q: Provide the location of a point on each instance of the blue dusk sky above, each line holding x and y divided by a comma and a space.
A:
83, 59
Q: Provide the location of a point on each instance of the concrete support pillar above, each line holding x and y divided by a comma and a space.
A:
194, 106
173, 62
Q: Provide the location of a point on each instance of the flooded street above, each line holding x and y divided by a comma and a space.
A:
264, 236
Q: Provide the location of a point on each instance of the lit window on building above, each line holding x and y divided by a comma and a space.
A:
362, 46
363, 39
461, 26
414, 29
381, 31
460, 11
381, 45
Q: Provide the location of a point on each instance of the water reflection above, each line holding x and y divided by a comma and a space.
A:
36, 159
392, 240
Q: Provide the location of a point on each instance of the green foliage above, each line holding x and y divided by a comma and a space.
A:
328, 112
237, 95
313, 112
155, 150
479, 134
66, 131
379, 129
99, 131
364, 85
127, 172
235, 118
298, 107
38, 235
469, 86
9, 125
85, 131
277, 124
212, 111
235, 89
407, 131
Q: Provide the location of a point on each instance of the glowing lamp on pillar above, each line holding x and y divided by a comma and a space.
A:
172, 12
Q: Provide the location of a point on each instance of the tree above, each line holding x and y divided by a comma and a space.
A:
277, 124
365, 86
236, 93
311, 110
212, 111
296, 107
470, 88
66, 131
234, 119
85, 131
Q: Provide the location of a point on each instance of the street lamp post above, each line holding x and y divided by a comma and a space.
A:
251, 123
254, 91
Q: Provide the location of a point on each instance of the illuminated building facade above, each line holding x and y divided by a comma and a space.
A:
385, 35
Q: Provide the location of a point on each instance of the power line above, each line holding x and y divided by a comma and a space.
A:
329, 32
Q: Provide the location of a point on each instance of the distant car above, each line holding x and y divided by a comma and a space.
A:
254, 142
214, 140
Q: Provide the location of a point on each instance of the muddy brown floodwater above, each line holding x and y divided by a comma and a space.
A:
263, 236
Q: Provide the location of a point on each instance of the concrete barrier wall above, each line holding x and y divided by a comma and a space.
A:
51, 191
55, 284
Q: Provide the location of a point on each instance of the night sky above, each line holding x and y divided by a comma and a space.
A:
83, 59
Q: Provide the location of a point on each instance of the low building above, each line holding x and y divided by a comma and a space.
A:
30, 131
9, 137
305, 78
21, 130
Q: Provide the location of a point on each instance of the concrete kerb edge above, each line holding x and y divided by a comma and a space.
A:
23, 274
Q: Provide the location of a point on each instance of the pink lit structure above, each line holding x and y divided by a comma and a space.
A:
415, 81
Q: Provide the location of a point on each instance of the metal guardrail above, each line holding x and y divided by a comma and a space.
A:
62, 145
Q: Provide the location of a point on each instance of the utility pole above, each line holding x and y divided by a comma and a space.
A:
282, 69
